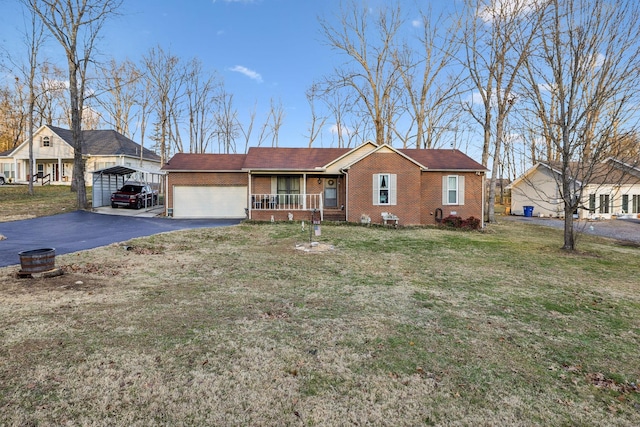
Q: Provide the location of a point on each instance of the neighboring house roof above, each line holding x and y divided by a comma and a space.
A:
105, 143
527, 174
610, 171
294, 159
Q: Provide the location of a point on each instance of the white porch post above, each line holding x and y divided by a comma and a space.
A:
304, 191
249, 204
59, 169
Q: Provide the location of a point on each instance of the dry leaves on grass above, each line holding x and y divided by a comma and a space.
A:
599, 380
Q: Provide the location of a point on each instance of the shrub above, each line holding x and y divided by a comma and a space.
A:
471, 223
453, 221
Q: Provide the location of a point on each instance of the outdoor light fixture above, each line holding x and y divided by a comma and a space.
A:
319, 180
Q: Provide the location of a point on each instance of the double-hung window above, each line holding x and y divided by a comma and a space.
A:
453, 190
604, 204
384, 189
635, 203
592, 203
625, 203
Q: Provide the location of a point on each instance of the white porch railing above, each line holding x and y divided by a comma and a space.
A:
286, 202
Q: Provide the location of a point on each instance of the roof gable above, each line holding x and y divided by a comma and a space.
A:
347, 158
384, 148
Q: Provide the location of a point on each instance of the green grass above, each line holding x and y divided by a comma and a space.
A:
234, 326
47, 200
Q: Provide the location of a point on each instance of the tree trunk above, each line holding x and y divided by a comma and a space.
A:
569, 236
78, 184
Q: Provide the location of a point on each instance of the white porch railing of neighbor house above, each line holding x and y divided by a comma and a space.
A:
286, 202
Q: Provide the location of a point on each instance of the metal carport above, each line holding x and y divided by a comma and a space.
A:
109, 180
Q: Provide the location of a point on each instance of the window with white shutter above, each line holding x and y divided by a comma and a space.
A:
453, 190
385, 189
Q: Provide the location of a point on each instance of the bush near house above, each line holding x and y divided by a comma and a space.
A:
453, 221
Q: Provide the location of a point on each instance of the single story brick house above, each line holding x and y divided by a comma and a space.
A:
53, 155
341, 184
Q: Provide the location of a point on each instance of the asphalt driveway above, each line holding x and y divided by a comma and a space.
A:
81, 230
627, 230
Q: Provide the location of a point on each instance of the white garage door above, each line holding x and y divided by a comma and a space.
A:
209, 202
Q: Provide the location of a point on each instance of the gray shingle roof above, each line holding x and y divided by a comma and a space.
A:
105, 143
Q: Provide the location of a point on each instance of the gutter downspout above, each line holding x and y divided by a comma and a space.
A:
346, 194
166, 202
249, 187
483, 196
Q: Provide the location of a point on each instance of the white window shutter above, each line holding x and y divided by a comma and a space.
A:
445, 196
376, 189
461, 189
393, 194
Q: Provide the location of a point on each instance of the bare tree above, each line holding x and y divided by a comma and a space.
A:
144, 98
375, 75
248, 129
497, 39
430, 87
51, 103
317, 122
274, 121
35, 38
339, 103
226, 119
76, 25
583, 87
165, 76
202, 98
120, 85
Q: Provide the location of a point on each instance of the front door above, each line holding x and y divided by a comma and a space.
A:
330, 193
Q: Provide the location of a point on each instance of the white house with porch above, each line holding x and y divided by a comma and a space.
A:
612, 189
53, 156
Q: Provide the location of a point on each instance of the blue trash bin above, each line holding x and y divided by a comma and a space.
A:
528, 211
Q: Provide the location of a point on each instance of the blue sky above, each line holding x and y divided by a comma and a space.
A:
262, 49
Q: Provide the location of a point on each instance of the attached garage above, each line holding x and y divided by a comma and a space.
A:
209, 201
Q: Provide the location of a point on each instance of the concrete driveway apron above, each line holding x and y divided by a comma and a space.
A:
81, 230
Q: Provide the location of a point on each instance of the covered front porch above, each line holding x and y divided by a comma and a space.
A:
293, 196
46, 171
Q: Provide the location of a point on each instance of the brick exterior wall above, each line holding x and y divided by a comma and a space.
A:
419, 193
432, 196
360, 182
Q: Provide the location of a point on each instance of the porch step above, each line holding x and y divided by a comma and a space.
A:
334, 216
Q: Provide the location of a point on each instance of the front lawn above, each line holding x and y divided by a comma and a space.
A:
235, 326
16, 202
